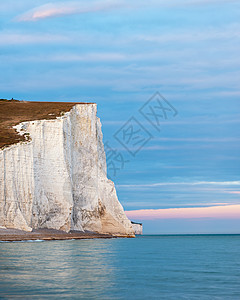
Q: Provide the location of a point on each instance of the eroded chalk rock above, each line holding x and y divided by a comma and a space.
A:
57, 179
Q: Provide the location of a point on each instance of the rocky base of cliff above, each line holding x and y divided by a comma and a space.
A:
14, 235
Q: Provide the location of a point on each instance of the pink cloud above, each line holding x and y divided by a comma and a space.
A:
67, 8
234, 192
216, 212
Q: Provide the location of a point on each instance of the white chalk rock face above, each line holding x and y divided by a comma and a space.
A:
137, 228
58, 179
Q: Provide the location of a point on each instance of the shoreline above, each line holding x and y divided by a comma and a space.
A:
14, 235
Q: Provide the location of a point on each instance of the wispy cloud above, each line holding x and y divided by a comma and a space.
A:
194, 183
228, 32
56, 9
165, 205
234, 192
216, 212
97, 57
8, 38
201, 139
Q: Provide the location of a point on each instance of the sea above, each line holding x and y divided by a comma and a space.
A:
145, 267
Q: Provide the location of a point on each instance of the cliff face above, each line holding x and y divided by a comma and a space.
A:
137, 228
58, 179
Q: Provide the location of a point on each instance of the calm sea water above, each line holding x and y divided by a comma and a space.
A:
148, 267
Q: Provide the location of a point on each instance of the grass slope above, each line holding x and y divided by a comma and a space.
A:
13, 112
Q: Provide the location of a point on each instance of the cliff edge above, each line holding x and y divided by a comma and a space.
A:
56, 179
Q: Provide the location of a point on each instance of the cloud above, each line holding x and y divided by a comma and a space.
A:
202, 139
207, 2
165, 205
229, 32
50, 10
216, 212
21, 39
234, 192
194, 183
96, 57
57, 9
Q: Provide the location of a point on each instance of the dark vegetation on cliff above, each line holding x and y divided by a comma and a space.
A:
13, 112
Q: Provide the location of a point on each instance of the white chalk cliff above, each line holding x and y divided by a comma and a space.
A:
58, 178
137, 228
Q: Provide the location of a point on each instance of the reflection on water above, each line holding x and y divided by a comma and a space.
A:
73, 268
148, 267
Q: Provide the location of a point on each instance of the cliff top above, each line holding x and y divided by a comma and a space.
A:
12, 112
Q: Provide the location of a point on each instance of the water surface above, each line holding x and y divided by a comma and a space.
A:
148, 267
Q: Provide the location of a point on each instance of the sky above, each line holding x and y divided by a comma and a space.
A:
166, 78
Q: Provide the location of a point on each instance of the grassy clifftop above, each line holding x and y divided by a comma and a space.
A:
13, 112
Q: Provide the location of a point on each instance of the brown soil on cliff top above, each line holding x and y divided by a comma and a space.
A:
13, 112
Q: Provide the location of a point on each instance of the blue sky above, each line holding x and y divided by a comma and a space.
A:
119, 54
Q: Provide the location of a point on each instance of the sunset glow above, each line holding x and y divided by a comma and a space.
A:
217, 212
